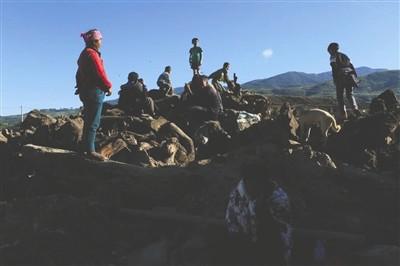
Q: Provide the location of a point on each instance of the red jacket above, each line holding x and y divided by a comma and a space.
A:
91, 73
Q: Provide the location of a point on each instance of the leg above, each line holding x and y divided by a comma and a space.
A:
149, 106
92, 114
94, 124
352, 101
350, 98
340, 100
308, 130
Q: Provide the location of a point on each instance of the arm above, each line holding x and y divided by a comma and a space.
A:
99, 71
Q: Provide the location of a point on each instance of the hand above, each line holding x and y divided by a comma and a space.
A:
109, 92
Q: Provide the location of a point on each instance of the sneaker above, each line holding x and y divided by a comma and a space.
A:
96, 156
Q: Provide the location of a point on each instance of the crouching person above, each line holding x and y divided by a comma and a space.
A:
206, 103
257, 218
133, 97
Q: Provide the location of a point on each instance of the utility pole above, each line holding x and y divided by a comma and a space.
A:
22, 115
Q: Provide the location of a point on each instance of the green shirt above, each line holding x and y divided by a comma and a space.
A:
195, 55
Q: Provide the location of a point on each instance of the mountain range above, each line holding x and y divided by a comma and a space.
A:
372, 81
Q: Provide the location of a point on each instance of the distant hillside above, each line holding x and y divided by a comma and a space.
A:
12, 120
297, 80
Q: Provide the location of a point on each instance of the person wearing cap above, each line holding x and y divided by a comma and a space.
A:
92, 86
195, 56
164, 82
133, 96
345, 79
221, 75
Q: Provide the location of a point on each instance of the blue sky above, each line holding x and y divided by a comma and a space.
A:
40, 41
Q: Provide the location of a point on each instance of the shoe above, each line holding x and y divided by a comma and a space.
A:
96, 156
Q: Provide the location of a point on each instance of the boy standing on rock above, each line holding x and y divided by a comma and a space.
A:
195, 57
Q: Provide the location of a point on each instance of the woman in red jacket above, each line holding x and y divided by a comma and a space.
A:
92, 85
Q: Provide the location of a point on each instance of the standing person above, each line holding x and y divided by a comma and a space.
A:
92, 85
345, 79
164, 82
195, 57
221, 75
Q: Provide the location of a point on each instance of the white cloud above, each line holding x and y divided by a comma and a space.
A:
267, 53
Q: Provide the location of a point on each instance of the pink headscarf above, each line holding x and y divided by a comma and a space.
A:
91, 35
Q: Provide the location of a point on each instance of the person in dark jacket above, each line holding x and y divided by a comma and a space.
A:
345, 79
92, 85
164, 82
206, 102
133, 96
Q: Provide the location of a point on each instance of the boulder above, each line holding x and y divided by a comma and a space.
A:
69, 135
37, 119
3, 139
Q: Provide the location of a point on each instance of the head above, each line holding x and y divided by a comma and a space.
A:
256, 178
92, 38
195, 41
333, 48
196, 83
204, 80
133, 76
226, 66
167, 69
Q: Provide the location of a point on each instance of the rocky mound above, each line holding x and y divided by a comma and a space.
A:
162, 196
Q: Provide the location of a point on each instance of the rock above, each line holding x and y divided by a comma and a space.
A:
377, 106
246, 120
37, 119
156, 124
390, 100
3, 139
113, 147
69, 135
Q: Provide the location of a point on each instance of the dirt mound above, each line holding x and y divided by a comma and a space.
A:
59, 208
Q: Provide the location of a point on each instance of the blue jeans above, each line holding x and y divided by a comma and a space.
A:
92, 100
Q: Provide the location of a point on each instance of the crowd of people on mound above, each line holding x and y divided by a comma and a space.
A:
201, 101
258, 208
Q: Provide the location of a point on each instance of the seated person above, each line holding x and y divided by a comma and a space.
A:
164, 82
257, 218
132, 96
205, 103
